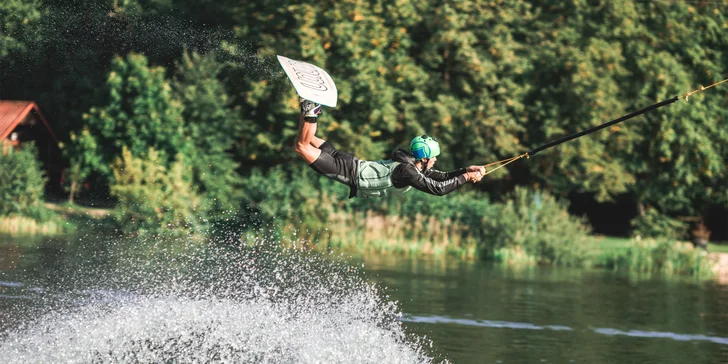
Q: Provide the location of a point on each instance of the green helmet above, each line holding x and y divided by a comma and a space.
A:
424, 147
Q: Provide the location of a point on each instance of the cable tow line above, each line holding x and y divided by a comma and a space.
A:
504, 162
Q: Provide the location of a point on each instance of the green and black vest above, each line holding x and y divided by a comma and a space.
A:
374, 179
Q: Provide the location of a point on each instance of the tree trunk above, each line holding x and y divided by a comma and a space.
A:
73, 192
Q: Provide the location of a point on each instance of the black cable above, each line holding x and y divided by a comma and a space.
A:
602, 126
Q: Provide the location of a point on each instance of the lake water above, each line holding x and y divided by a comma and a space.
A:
483, 313
114, 300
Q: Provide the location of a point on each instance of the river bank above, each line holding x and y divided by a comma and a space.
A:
721, 266
381, 235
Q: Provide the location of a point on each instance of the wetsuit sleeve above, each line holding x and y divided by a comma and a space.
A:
444, 176
407, 175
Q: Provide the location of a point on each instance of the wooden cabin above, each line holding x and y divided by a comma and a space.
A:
22, 122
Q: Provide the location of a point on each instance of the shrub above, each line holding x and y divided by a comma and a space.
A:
661, 256
153, 198
293, 198
21, 182
540, 225
653, 224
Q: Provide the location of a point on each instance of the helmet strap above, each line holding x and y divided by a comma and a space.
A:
424, 164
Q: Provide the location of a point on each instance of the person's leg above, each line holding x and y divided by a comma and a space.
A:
326, 147
306, 133
316, 142
310, 112
341, 169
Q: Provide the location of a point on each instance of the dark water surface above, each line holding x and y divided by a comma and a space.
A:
471, 311
483, 313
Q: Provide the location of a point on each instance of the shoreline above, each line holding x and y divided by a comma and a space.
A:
720, 266
606, 252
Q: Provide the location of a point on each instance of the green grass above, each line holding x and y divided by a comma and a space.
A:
653, 256
718, 248
28, 226
612, 243
608, 244
75, 209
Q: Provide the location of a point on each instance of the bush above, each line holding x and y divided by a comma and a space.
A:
21, 182
153, 198
663, 256
538, 224
295, 199
653, 224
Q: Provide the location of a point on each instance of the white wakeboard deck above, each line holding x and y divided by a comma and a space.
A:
311, 82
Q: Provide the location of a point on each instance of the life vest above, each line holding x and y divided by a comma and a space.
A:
374, 179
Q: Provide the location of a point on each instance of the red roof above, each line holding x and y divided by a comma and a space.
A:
13, 112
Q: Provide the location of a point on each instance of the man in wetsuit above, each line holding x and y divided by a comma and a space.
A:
384, 177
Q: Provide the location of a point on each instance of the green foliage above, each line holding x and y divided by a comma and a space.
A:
298, 199
18, 27
140, 113
21, 182
539, 225
213, 126
189, 116
659, 256
653, 224
152, 197
489, 79
529, 221
76, 173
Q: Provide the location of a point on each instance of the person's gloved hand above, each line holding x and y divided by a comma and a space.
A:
475, 173
480, 169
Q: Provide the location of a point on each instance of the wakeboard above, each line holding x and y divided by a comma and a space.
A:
311, 82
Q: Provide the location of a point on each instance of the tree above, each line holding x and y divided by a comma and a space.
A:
140, 112
681, 148
153, 197
21, 182
477, 62
19, 21
76, 174
213, 126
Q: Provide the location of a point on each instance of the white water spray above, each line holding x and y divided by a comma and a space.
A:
230, 305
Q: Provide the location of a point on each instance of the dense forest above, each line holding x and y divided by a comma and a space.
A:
188, 93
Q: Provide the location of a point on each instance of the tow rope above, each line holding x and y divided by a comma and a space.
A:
531, 153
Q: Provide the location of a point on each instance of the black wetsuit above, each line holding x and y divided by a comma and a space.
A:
431, 181
342, 167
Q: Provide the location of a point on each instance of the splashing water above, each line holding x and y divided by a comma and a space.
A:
144, 301
213, 304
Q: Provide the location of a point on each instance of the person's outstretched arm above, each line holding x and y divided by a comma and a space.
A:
444, 176
408, 175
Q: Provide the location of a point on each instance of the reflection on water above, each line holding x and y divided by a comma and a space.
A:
482, 323
11, 284
528, 326
475, 312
